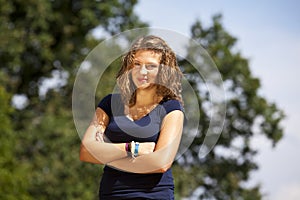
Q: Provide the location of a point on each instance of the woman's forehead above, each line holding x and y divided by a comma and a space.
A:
148, 54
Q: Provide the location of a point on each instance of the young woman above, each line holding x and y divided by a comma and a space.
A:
136, 133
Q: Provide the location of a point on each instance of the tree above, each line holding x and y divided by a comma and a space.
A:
41, 40
13, 174
222, 174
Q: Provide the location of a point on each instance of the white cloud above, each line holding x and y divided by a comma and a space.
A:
58, 80
278, 167
19, 101
288, 192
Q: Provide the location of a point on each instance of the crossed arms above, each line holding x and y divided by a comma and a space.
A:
154, 158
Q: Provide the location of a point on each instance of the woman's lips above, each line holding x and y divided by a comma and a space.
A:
144, 80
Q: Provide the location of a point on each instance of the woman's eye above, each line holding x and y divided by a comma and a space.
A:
151, 67
137, 65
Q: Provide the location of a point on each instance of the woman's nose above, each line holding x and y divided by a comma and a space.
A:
143, 70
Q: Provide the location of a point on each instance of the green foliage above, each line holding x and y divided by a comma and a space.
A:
52, 149
13, 181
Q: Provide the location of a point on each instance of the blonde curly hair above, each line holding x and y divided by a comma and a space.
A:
169, 76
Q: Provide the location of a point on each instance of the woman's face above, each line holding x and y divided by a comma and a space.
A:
145, 68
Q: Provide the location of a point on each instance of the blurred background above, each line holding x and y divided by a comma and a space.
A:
255, 46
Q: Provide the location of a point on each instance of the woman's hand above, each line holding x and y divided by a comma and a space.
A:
146, 148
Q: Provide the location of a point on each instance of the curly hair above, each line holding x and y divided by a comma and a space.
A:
169, 76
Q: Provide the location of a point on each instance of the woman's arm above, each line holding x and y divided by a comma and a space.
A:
93, 149
165, 150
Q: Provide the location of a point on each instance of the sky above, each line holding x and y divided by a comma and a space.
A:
268, 34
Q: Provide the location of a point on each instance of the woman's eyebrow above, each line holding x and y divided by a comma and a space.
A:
137, 61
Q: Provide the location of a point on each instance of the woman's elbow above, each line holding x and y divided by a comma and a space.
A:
162, 162
85, 156
163, 170
164, 167
83, 153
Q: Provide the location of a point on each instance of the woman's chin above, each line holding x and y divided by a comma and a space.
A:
145, 86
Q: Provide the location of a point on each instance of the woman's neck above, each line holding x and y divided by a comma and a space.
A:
146, 97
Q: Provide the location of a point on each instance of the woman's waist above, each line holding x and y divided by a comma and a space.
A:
128, 178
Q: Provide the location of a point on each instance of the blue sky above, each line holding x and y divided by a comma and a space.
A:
268, 34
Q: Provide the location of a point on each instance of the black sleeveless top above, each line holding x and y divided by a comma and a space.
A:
116, 184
